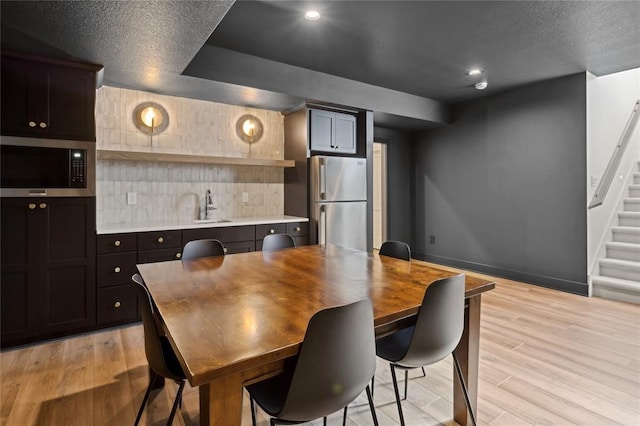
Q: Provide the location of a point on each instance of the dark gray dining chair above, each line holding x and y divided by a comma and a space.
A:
160, 355
202, 248
274, 242
435, 335
397, 249
335, 364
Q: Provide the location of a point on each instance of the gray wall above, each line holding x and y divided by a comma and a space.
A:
398, 182
503, 188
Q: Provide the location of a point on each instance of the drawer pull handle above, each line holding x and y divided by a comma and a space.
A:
116, 305
297, 229
160, 240
43, 205
43, 125
32, 124
117, 243
117, 269
178, 255
271, 231
32, 206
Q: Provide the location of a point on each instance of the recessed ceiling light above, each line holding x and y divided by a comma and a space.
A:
475, 71
312, 15
482, 85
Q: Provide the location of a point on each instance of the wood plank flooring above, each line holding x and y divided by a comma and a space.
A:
546, 358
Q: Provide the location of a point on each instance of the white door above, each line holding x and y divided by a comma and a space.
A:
379, 194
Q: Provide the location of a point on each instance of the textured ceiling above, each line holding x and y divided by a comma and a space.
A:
426, 47
376, 49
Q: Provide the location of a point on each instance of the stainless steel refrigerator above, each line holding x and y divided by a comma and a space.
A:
339, 200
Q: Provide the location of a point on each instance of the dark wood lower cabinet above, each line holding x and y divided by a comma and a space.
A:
59, 278
47, 267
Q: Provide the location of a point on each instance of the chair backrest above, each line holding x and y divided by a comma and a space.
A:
336, 362
397, 249
439, 324
202, 248
157, 348
277, 241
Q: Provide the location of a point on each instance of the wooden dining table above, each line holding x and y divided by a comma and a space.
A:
233, 320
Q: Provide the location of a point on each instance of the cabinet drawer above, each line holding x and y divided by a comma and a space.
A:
117, 304
116, 243
159, 240
240, 247
115, 269
274, 228
150, 256
301, 241
225, 235
296, 229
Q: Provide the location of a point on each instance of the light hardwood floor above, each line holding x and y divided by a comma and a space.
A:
546, 358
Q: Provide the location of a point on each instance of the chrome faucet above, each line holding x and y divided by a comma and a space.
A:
208, 205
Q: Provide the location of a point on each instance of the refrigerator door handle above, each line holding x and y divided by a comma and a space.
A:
322, 225
322, 178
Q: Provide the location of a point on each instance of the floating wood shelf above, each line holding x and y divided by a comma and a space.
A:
107, 154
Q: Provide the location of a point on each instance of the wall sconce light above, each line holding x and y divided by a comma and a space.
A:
249, 128
150, 118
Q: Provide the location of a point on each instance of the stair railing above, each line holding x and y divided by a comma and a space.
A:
616, 157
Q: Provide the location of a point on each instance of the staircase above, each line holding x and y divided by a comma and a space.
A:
619, 277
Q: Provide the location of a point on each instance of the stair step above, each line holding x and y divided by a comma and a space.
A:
636, 178
626, 234
629, 219
616, 289
623, 269
634, 190
623, 251
631, 204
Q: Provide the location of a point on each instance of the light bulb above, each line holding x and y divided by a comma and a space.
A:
249, 127
482, 85
151, 117
312, 15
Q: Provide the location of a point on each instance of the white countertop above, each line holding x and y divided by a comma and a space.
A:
118, 228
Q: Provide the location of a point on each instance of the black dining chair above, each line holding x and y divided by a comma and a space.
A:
202, 248
397, 249
335, 364
435, 335
274, 242
160, 356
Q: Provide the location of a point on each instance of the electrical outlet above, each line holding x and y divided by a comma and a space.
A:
132, 198
432, 239
245, 197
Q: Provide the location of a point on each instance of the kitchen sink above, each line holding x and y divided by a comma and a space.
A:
211, 221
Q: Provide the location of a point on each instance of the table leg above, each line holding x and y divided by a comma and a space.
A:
468, 353
221, 401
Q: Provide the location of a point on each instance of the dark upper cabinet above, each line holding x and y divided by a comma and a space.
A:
332, 132
47, 98
47, 267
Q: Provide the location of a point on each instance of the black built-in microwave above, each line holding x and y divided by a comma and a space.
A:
46, 167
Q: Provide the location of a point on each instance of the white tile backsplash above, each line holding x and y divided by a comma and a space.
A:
172, 192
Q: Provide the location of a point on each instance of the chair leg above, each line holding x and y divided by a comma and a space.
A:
324, 421
371, 406
373, 379
464, 389
406, 383
424, 373
395, 388
344, 415
146, 396
175, 403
